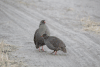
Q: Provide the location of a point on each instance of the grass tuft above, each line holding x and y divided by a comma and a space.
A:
5, 49
90, 25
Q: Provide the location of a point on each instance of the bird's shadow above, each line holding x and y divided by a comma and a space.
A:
58, 54
49, 53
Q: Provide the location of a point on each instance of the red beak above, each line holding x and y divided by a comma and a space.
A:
41, 36
44, 22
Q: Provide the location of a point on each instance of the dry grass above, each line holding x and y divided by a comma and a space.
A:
90, 25
70, 9
25, 3
5, 49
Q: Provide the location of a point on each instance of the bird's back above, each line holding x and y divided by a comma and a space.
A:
56, 42
38, 38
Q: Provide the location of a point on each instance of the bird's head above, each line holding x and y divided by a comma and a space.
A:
64, 49
45, 36
42, 22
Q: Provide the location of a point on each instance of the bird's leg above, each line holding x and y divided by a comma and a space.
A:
52, 52
55, 52
39, 48
42, 48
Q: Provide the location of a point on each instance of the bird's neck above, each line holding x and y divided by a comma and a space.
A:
41, 25
46, 37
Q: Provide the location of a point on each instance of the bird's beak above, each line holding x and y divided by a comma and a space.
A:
44, 22
41, 36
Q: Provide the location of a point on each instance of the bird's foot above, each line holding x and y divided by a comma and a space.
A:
43, 50
55, 52
52, 52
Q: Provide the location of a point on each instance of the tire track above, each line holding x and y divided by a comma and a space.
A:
75, 54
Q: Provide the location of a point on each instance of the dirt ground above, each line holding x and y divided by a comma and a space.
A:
75, 22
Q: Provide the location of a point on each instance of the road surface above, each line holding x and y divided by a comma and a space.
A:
20, 19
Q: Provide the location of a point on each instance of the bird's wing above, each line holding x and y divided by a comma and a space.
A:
53, 41
35, 36
56, 42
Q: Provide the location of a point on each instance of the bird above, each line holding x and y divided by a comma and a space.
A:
38, 40
43, 29
54, 43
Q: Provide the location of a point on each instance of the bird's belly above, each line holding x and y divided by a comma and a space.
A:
50, 46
